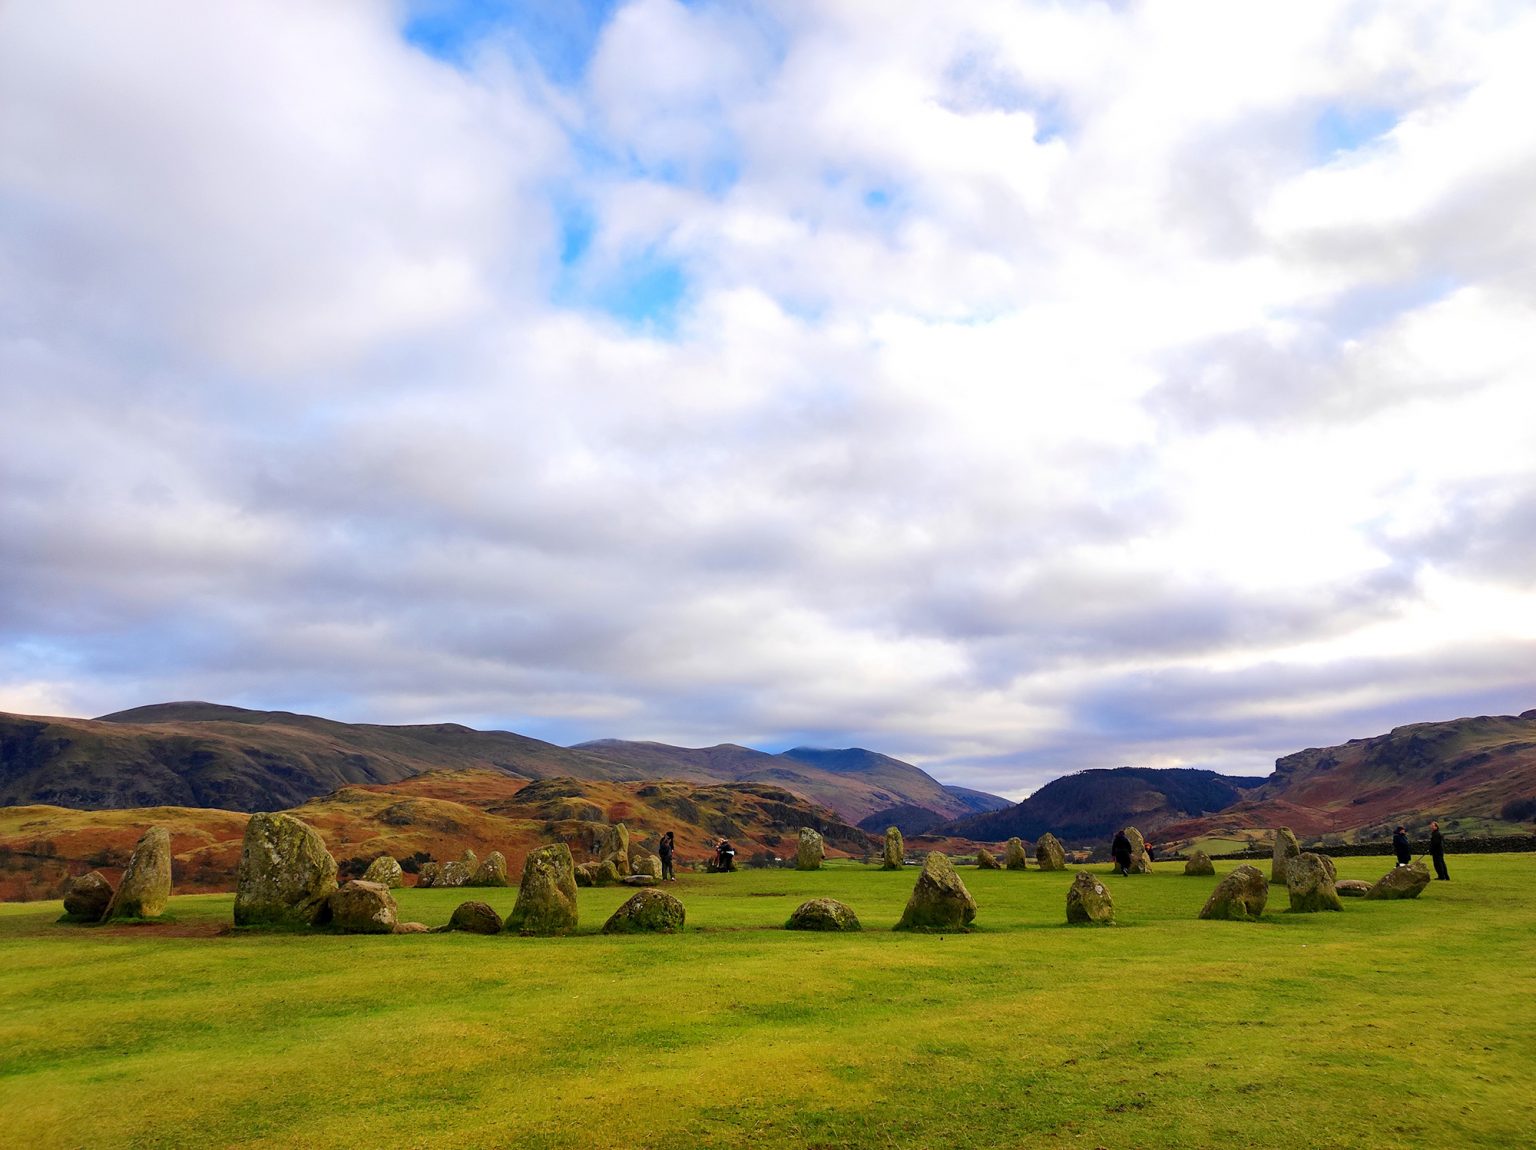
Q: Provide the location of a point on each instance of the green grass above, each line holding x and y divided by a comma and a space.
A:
1391, 1024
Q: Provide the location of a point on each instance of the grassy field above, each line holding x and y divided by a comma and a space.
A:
1403, 1024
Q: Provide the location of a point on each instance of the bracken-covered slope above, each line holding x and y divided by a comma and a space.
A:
1478, 772
1090, 806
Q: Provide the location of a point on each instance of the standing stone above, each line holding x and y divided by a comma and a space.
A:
810, 851
986, 860
1141, 862
939, 900
385, 869
88, 897
615, 845
470, 860
1240, 896
360, 907
491, 872
644, 864
426, 874
1401, 882
822, 914
651, 911
546, 898
1306, 878
1014, 856
586, 874
894, 857
608, 873
1088, 900
476, 918
1049, 853
146, 885
1199, 863
285, 874
452, 873
1286, 848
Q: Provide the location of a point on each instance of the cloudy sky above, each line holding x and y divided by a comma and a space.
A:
1010, 387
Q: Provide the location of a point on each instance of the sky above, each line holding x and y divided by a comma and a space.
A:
1012, 388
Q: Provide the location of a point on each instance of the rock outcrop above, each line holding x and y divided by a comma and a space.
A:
1141, 861
88, 897
1310, 887
1401, 882
285, 874
1286, 849
893, 857
650, 911
939, 899
1240, 896
1049, 852
1014, 855
1199, 863
475, 917
1089, 901
145, 888
546, 898
491, 872
360, 907
986, 860
822, 914
810, 850
385, 869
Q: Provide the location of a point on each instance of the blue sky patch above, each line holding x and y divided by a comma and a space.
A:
1339, 129
560, 34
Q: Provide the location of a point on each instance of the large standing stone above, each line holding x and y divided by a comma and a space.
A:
1199, 863
810, 850
939, 899
475, 917
1141, 862
894, 856
1401, 882
385, 869
88, 897
546, 898
1014, 856
360, 907
1286, 849
1240, 896
470, 860
452, 873
615, 845
1088, 900
1049, 852
648, 910
986, 860
145, 888
285, 874
822, 914
1311, 888
491, 872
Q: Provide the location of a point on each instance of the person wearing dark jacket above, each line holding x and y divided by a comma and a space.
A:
1400, 846
1121, 849
1437, 851
668, 847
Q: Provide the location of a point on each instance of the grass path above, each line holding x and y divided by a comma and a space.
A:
1391, 1024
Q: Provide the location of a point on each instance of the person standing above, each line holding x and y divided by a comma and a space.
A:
1437, 851
1121, 849
668, 846
1400, 846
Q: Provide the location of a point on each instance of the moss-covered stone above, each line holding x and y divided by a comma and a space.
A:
546, 898
88, 897
386, 870
360, 907
607, 873
1286, 849
810, 850
471, 861
894, 855
426, 874
1049, 852
476, 918
939, 899
452, 873
649, 911
822, 914
1351, 888
1199, 863
1401, 882
1089, 901
1309, 885
285, 873
586, 874
1239, 897
986, 860
1014, 855
145, 888
615, 845
1141, 861
491, 872
644, 864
